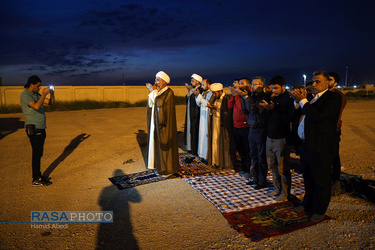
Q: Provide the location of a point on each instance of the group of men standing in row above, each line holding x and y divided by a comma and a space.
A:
261, 126
251, 123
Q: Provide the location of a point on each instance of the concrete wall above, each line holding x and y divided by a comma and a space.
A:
10, 95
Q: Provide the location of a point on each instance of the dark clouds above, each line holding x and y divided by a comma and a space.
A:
92, 42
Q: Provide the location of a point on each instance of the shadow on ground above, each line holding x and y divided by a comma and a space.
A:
67, 151
119, 234
10, 125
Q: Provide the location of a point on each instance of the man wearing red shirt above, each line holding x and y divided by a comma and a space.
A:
241, 128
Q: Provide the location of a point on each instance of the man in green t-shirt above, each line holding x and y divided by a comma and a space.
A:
35, 123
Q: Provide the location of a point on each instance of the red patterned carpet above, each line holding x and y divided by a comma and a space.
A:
248, 210
266, 221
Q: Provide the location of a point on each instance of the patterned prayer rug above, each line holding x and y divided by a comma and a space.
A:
191, 165
132, 180
263, 222
229, 193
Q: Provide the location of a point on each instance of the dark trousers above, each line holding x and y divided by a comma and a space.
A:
242, 146
194, 135
37, 143
317, 179
257, 144
336, 165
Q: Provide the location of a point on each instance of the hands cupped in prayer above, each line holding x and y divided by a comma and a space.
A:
298, 94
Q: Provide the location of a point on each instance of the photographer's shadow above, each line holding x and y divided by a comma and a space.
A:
119, 234
67, 151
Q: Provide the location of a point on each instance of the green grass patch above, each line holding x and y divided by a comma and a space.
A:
10, 109
84, 105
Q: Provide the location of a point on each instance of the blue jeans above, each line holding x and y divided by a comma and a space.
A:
257, 144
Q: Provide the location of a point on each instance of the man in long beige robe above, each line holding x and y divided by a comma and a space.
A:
162, 127
223, 153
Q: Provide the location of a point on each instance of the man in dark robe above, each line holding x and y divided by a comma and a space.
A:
162, 127
192, 115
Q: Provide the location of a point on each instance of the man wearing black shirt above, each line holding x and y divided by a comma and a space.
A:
278, 129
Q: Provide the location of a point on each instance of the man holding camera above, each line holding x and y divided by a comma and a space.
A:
35, 123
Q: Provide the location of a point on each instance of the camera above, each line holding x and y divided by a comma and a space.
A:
51, 87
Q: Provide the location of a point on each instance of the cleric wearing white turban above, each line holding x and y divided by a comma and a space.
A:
216, 87
223, 154
197, 77
164, 76
192, 115
162, 127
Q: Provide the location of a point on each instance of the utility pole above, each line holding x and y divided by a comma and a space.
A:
346, 77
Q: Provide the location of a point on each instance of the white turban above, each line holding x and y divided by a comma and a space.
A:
216, 86
197, 77
164, 76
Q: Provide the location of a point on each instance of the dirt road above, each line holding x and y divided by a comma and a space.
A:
84, 148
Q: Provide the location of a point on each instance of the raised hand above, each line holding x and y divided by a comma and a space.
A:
195, 91
298, 94
188, 86
241, 92
150, 87
232, 90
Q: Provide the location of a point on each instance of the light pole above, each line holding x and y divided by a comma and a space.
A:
346, 77
304, 79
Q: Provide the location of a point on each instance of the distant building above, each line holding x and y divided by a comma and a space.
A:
369, 88
366, 86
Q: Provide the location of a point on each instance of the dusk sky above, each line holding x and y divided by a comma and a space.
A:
74, 42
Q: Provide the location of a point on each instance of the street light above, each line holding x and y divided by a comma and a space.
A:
304, 79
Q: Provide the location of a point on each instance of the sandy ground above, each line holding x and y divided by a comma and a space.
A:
84, 148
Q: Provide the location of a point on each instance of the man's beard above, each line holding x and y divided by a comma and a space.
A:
243, 88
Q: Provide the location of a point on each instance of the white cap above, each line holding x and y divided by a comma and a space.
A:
197, 77
216, 86
164, 76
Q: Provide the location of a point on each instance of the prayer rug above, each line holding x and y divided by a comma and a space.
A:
263, 222
132, 180
191, 165
229, 193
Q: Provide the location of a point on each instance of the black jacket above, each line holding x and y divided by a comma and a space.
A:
279, 117
321, 123
257, 114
